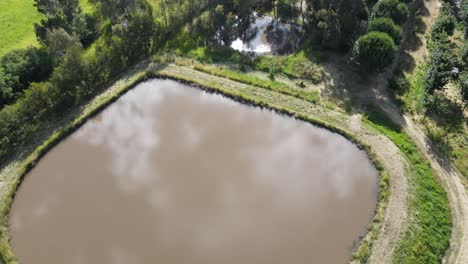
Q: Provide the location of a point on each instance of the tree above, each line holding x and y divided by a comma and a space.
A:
443, 24
336, 23
26, 65
244, 12
6, 92
20, 67
464, 54
287, 10
58, 14
223, 27
115, 9
441, 62
393, 9
66, 78
57, 42
386, 25
351, 14
328, 28
464, 12
84, 26
374, 51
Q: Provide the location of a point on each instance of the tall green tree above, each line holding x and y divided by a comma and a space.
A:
374, 51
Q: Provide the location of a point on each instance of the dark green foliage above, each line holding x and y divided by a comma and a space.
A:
443, 24
336, 24
6, 90
84, 26
375, 51
67, 15
18, 69
328, 28
463, 13
386, 25
393, 9
464, 86
288, 10
399, 83
57, 42
464, 54
115, 9
439, 105
441, 62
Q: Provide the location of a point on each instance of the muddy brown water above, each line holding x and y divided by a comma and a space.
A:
171, 174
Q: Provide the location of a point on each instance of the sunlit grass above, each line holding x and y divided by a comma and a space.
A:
17, 18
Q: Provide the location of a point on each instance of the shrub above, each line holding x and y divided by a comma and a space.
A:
375, 51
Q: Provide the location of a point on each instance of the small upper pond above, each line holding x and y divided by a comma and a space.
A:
170, 174
269, 36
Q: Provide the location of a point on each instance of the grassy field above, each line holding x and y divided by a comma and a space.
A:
17, 18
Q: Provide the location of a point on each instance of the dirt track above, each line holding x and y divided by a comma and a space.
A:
396, 213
